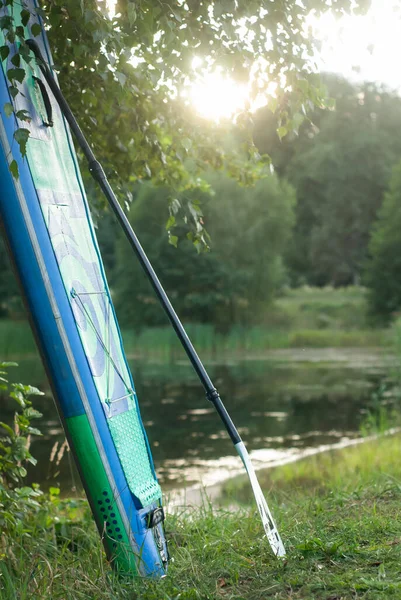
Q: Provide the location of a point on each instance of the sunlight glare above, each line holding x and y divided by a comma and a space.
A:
217, 97
362, 47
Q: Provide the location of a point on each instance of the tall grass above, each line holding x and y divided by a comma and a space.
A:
338, 339
161, 343
302, 318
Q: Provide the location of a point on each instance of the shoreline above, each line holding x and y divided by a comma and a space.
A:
196, 495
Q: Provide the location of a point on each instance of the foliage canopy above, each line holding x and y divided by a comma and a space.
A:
123, 74
340, 166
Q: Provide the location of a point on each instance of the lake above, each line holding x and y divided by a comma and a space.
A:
283, 402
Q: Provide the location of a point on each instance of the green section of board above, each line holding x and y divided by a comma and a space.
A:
128, 437
97, 485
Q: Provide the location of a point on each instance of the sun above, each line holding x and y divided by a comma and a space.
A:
359, 47
216, 97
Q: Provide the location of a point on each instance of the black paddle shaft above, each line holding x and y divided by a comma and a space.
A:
98, 174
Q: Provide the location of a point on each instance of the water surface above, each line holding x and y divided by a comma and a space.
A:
283, 402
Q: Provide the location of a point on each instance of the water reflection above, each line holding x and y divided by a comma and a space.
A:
280, 404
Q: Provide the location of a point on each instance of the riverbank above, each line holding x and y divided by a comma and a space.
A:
301, 318
338, 513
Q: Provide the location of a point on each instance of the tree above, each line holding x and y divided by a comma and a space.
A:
340, 166
234, 282
250, 230
383, 270
123, 75
189, 278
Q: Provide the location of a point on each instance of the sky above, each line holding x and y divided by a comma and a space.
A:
370, 43
359, 47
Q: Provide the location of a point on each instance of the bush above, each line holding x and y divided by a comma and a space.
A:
26, 512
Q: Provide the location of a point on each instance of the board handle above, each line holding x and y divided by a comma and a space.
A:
46, 101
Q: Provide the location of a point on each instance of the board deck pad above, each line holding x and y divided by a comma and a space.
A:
52, 166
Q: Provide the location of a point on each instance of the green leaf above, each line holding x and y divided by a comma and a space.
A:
173, 240
177, 15
170, 222
6, 22
16, 75
7, 428
34, 431
13, 91
31, 390
174, 205
25, 52
36, 29
4, 52
25, 16
121, 78
14, 169
21, 137
272, 104
303, 85
282, 131
32, 413
18, 397
16, 60
23, 115
10, 37
297, 120
53, 491
131, 12
26, 491
8, 109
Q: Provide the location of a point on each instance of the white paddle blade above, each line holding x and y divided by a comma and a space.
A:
266, 516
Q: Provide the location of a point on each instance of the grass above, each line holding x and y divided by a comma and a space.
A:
302, 318
338, 513
328, 472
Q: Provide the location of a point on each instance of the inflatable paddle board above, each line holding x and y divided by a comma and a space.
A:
51, 239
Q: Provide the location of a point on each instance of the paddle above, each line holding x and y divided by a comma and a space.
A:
211, 392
